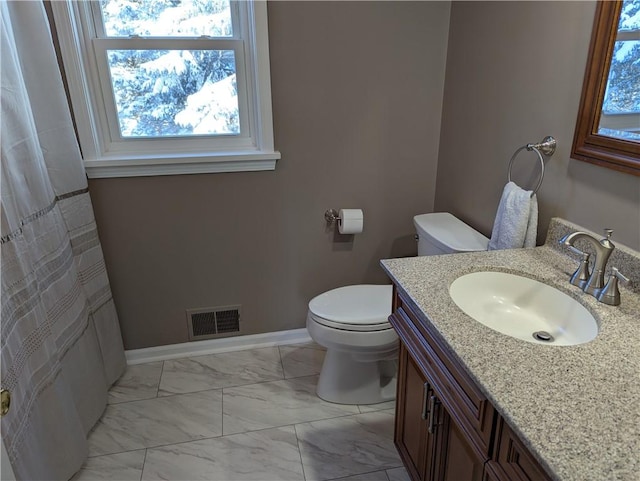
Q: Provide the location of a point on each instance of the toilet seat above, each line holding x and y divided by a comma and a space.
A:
341, 326
357, 308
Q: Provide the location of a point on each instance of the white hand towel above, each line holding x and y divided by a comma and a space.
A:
516, 223
532, 225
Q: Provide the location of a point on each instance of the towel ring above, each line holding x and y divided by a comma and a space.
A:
548, 146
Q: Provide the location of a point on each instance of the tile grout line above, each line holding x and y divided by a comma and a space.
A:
293, 425
222, 413
284, 377
160, 380
169, 395
343, 415
208, 368
284, 374
362, 474
295, 432
144, 461
220, 388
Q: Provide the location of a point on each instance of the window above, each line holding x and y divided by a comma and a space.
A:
168, 86
606, 128
620, 116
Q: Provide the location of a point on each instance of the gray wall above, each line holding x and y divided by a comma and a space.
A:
514, 75
357, 100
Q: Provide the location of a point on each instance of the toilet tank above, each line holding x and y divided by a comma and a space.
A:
443, 233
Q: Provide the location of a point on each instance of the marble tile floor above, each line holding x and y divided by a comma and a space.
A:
235, 416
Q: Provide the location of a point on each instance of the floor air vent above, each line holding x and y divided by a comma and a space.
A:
213, 322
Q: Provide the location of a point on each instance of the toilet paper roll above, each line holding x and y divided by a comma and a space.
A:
351, 221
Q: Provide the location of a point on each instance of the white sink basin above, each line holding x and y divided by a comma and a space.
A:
523, 308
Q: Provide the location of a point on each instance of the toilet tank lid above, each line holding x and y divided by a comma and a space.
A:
357, 304
449, 232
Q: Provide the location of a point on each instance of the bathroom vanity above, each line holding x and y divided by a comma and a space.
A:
458, 428
475, 404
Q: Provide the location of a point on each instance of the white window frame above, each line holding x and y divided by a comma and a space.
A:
107, 154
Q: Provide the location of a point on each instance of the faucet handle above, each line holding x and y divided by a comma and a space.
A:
575, 250
617, 274
606, 241
581, 276
610, 294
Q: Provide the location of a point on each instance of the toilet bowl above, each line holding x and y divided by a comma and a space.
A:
351, 322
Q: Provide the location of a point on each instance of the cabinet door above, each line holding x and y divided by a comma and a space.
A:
458, 459
411, 429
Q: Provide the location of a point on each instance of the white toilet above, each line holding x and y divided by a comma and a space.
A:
443, 233
352, 323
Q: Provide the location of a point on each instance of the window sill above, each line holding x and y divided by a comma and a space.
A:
151, 166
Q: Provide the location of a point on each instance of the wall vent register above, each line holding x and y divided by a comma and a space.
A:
213, 322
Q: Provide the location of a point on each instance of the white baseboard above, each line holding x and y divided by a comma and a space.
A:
214, 346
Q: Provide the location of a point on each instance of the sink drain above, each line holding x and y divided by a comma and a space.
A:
543, 336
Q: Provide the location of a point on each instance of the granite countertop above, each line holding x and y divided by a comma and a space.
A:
577, 408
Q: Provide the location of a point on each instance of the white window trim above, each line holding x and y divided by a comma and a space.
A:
105, 159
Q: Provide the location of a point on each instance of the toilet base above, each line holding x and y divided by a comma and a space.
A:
344, 380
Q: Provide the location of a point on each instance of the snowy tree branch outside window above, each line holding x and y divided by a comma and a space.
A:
172, 92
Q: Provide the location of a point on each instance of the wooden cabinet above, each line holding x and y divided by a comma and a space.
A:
430, 444
446, 429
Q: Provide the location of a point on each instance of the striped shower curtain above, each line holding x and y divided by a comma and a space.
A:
61, 346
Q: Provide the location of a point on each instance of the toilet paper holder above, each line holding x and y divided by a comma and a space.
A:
349, 221
331, 216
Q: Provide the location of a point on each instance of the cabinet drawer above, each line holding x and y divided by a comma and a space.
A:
468, 406
513, 459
